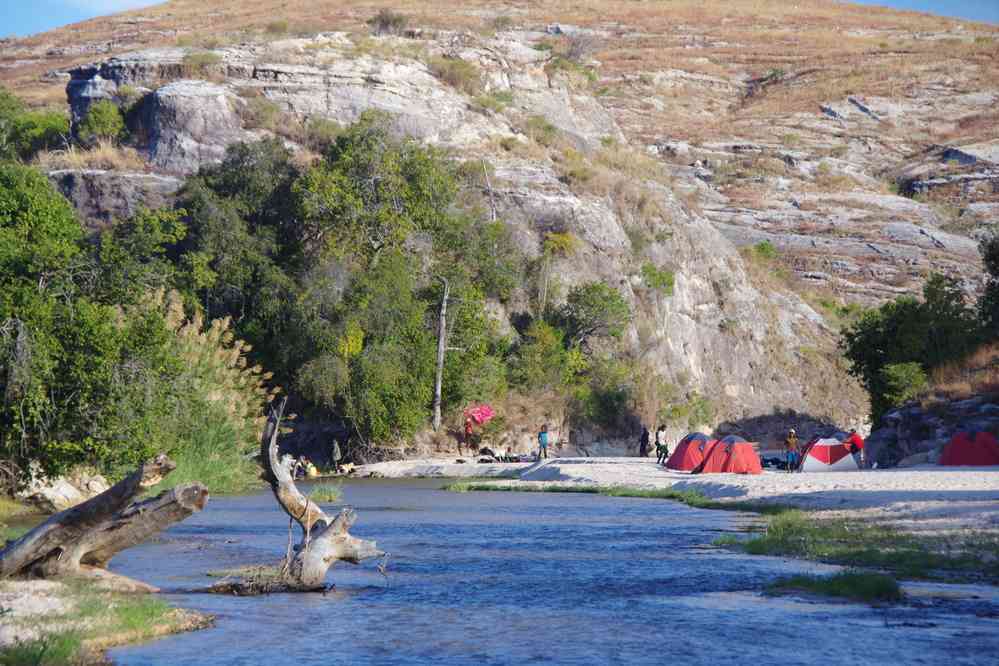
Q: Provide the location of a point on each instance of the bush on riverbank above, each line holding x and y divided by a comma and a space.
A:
98, 365
854, 585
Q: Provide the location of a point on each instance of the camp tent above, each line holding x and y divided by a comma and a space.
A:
689, 452
828, 454
971, 449
731, 455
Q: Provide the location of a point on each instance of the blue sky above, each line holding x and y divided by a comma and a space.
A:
25, 17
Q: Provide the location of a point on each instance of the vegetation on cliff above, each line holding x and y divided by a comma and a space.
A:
896, 348
100, 366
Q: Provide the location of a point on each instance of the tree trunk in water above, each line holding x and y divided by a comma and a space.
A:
324, 541
81, 540
441, 347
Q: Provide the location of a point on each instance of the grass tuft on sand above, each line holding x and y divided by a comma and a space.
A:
326, 493
94, 620
853, 585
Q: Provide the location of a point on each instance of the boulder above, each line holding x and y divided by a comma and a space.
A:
914, 459
102, 196
53, 495
190, 123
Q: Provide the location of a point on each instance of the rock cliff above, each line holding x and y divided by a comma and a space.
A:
658, 138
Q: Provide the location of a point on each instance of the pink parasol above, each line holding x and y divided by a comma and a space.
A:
480, 413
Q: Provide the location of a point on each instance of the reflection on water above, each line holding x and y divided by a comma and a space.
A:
514, 578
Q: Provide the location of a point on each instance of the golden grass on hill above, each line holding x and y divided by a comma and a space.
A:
105, 155
977, 374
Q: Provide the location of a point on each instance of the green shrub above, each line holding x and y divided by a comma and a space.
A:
659, 279
200, 63
261, 113
502, 23
388, 22
560, 244
495, 101
541, 131
103, 122
766, 251
278, 27
321, 133
326, 493
903, 382
457, 73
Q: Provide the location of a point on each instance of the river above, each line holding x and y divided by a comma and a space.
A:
519, 578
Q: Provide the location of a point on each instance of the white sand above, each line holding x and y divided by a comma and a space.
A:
443, 468
927, 498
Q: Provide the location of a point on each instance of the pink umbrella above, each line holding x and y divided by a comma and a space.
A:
480, 413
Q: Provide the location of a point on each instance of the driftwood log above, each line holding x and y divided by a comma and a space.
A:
324, 540
80, 541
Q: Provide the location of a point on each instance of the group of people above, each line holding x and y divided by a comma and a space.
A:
662, 445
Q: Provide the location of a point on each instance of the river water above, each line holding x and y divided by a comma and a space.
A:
520, 578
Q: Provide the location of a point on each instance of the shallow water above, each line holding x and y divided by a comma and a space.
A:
516, 578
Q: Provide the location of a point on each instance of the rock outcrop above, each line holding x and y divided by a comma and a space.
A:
101, 196
916, 434
60, 493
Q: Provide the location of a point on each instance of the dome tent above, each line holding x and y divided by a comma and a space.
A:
730, 455
689, 452
828, 454
977, 450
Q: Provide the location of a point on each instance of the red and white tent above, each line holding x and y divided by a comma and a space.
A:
828, 455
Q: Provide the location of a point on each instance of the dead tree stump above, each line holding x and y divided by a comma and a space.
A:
80, 541
324, 540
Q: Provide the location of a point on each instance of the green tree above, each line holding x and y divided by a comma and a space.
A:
940, 328
23, 132
39, 232
371, 192
102, 122
988, 304
592, 310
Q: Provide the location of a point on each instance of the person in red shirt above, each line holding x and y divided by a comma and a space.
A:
468, 433
855, 443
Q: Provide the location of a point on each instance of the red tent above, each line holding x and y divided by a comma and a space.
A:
964, 449
731, 455
689, 452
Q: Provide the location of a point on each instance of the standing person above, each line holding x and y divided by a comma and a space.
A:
335, 456
855, 443
791, 450
543, 442
468, 435
643, 443
662, 448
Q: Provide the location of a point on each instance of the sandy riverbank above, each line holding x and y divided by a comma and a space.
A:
75, 622
928, 498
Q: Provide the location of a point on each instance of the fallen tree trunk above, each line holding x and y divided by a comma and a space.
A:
80, 541
324, 540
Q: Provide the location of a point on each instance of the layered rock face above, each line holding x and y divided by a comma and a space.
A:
714, 337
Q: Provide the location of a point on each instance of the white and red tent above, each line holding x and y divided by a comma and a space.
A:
828, 454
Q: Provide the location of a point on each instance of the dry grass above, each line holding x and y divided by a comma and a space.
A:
977, 374
105, 156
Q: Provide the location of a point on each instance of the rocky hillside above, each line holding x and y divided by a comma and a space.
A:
670, 139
